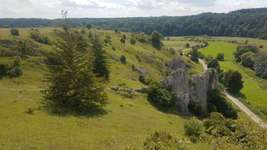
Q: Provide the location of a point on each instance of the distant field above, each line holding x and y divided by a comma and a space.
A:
255, 88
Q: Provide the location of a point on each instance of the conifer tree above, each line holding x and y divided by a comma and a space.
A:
72, 85
100, 62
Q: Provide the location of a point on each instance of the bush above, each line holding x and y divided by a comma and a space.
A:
195, 109
159, 96
195, 54
233, 81
123, 59
15, 72
187, 45
108, 39
220, 57
141, 38
217, 103
14, 32
3, 70
213, 63
218, 126
142, 79
163, 141
133, 41
194, 128
260, 65
248, 59
243, 49
35, 35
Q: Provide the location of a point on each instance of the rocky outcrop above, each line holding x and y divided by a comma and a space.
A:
191, 89
178, 82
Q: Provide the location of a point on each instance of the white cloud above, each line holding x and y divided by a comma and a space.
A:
119, 8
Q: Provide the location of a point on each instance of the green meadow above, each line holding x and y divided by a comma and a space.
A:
255, 89
125, 121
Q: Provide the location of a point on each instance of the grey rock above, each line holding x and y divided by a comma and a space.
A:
191, 89
178, 82
177, 63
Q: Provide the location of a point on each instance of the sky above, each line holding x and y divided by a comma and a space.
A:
119, 8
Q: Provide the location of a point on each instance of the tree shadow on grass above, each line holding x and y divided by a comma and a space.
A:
172, 110
92, 113
237, 95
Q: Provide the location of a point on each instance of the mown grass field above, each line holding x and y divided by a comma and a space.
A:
254, 90
126, 121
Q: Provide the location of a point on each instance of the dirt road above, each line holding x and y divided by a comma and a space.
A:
239, 104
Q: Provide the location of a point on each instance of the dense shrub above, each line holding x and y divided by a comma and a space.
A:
217, 103
163, 141
132, 41
108, 39
14, 32
187, 45
3, 70
233, 81
194, 54
216, 125
27, 48
159, 96
220, 57
11, 70
141, 38
15, 72
123, 59
213, 63
196, 109
52, 60
243, 49
35, 35
260, 65
144, 79
248, 59
194, 128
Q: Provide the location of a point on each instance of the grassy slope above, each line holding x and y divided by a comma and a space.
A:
126, 121
254, 88
178, 44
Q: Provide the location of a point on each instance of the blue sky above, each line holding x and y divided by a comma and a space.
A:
119, 8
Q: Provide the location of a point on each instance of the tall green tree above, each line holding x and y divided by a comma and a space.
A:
156, 40
213, 63
72, 86
100, 62
233, 81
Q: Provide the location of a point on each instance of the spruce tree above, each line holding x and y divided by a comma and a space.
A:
72, 85
100, 62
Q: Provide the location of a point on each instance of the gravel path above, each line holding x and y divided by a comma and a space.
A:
239, 104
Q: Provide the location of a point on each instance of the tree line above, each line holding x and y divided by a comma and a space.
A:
243, 23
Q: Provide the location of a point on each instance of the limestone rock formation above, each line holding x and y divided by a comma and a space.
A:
190, 89
178, 82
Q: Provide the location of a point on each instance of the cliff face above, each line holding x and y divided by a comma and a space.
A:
178, 82
190, 89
